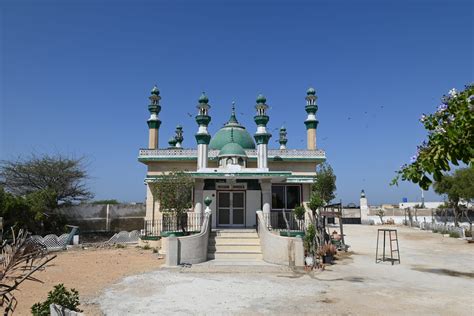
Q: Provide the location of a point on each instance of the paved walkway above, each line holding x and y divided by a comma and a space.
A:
436, 277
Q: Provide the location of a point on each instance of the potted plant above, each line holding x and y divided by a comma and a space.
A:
327, 252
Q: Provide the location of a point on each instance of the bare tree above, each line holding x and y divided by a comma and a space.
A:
19, 260
62, 177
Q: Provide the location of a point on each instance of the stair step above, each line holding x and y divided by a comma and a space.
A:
234, 255
234, 241
234, 248
235, 234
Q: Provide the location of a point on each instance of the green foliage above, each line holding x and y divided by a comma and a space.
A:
60, 176
454, 235
308, 241
100, 202
450, 140
315, 202
174, 191
324, 185
31, 212
299, 212
60, 296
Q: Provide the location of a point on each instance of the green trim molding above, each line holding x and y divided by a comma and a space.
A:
203, 119
311, 109
262, 138
203, 139
311, 124
261, 120
154, 124
154, 108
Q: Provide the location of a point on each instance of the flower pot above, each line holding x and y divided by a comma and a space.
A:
328, 259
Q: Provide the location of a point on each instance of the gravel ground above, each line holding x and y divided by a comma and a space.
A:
435, 278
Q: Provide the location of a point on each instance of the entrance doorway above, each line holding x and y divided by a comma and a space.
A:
231, 208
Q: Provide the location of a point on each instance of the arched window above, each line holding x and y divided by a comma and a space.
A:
229, 161
241, 161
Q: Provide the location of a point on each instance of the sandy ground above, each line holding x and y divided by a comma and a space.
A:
436, 277
88, 271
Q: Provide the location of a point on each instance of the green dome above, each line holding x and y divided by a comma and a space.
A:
203, 98
232, 132
155, 91
311, 91
232, 149
261, 99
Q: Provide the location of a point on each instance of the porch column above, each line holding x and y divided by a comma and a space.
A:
198, 195
266, 195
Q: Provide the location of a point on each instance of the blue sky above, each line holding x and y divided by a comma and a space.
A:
76, 75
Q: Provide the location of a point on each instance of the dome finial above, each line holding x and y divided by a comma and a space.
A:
155, 90
261, 99
203, 98
311, 91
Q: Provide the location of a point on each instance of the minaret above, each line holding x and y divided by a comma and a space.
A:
283, 139
179, 136
364, 206
262, 136
202, 136
311, 122
153, 122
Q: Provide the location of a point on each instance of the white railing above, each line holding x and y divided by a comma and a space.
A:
251, 153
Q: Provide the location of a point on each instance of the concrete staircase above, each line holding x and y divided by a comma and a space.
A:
237, 245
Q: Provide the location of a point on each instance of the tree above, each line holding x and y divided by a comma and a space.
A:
174, 191
60, 177
323, 192
450, 140
458, 187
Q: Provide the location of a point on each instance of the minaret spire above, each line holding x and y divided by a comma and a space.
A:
179, 136
262, 136
202, 136
311, 122
154, 122
283, 139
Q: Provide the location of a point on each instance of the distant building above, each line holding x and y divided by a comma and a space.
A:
428, 205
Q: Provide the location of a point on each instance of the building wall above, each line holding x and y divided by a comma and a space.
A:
294, 166
254, 203
156, 168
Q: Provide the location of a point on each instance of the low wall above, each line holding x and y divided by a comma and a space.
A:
189, 249
286, 251
105, 217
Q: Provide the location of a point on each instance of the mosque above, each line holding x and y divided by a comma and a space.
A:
236, 169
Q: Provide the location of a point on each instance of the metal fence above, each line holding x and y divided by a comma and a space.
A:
171, 223
275, 221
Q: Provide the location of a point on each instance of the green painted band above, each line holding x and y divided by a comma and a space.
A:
203, 119
203, 139
311, 109
311, 124
154, 108
261, 120
154, 124
262, 138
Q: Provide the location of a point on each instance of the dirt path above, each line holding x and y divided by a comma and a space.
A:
435, 278
88, 271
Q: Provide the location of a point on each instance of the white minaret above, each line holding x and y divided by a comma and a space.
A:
154, 122
262, 136
202, 136
311, 122
364, 206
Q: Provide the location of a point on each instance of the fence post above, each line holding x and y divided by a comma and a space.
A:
107, 218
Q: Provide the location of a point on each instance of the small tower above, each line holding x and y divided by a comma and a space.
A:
283, 139
179, 136
311, 122
262, 136
364, 206
153, 122
202, 136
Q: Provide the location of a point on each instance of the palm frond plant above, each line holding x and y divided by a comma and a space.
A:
19, 260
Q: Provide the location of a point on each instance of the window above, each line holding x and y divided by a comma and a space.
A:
285, 197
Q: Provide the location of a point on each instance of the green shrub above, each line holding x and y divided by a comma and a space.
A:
60, 296
119, 246
146, 247
454, 234
299, 212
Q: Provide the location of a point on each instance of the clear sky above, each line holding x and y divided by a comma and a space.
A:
76, 76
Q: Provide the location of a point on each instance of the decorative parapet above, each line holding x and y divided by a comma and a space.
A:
191, 154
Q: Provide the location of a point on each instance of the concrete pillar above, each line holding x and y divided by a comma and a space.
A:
198, 195
311, 138
262, 156
266, 186
153, 138
364, 207
202, 156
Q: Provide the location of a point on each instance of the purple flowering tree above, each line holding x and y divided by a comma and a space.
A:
449, 142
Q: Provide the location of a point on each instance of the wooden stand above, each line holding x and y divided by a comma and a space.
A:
393, 242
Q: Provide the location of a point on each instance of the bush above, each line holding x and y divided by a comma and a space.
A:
60, 296
454, 234
299, 212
